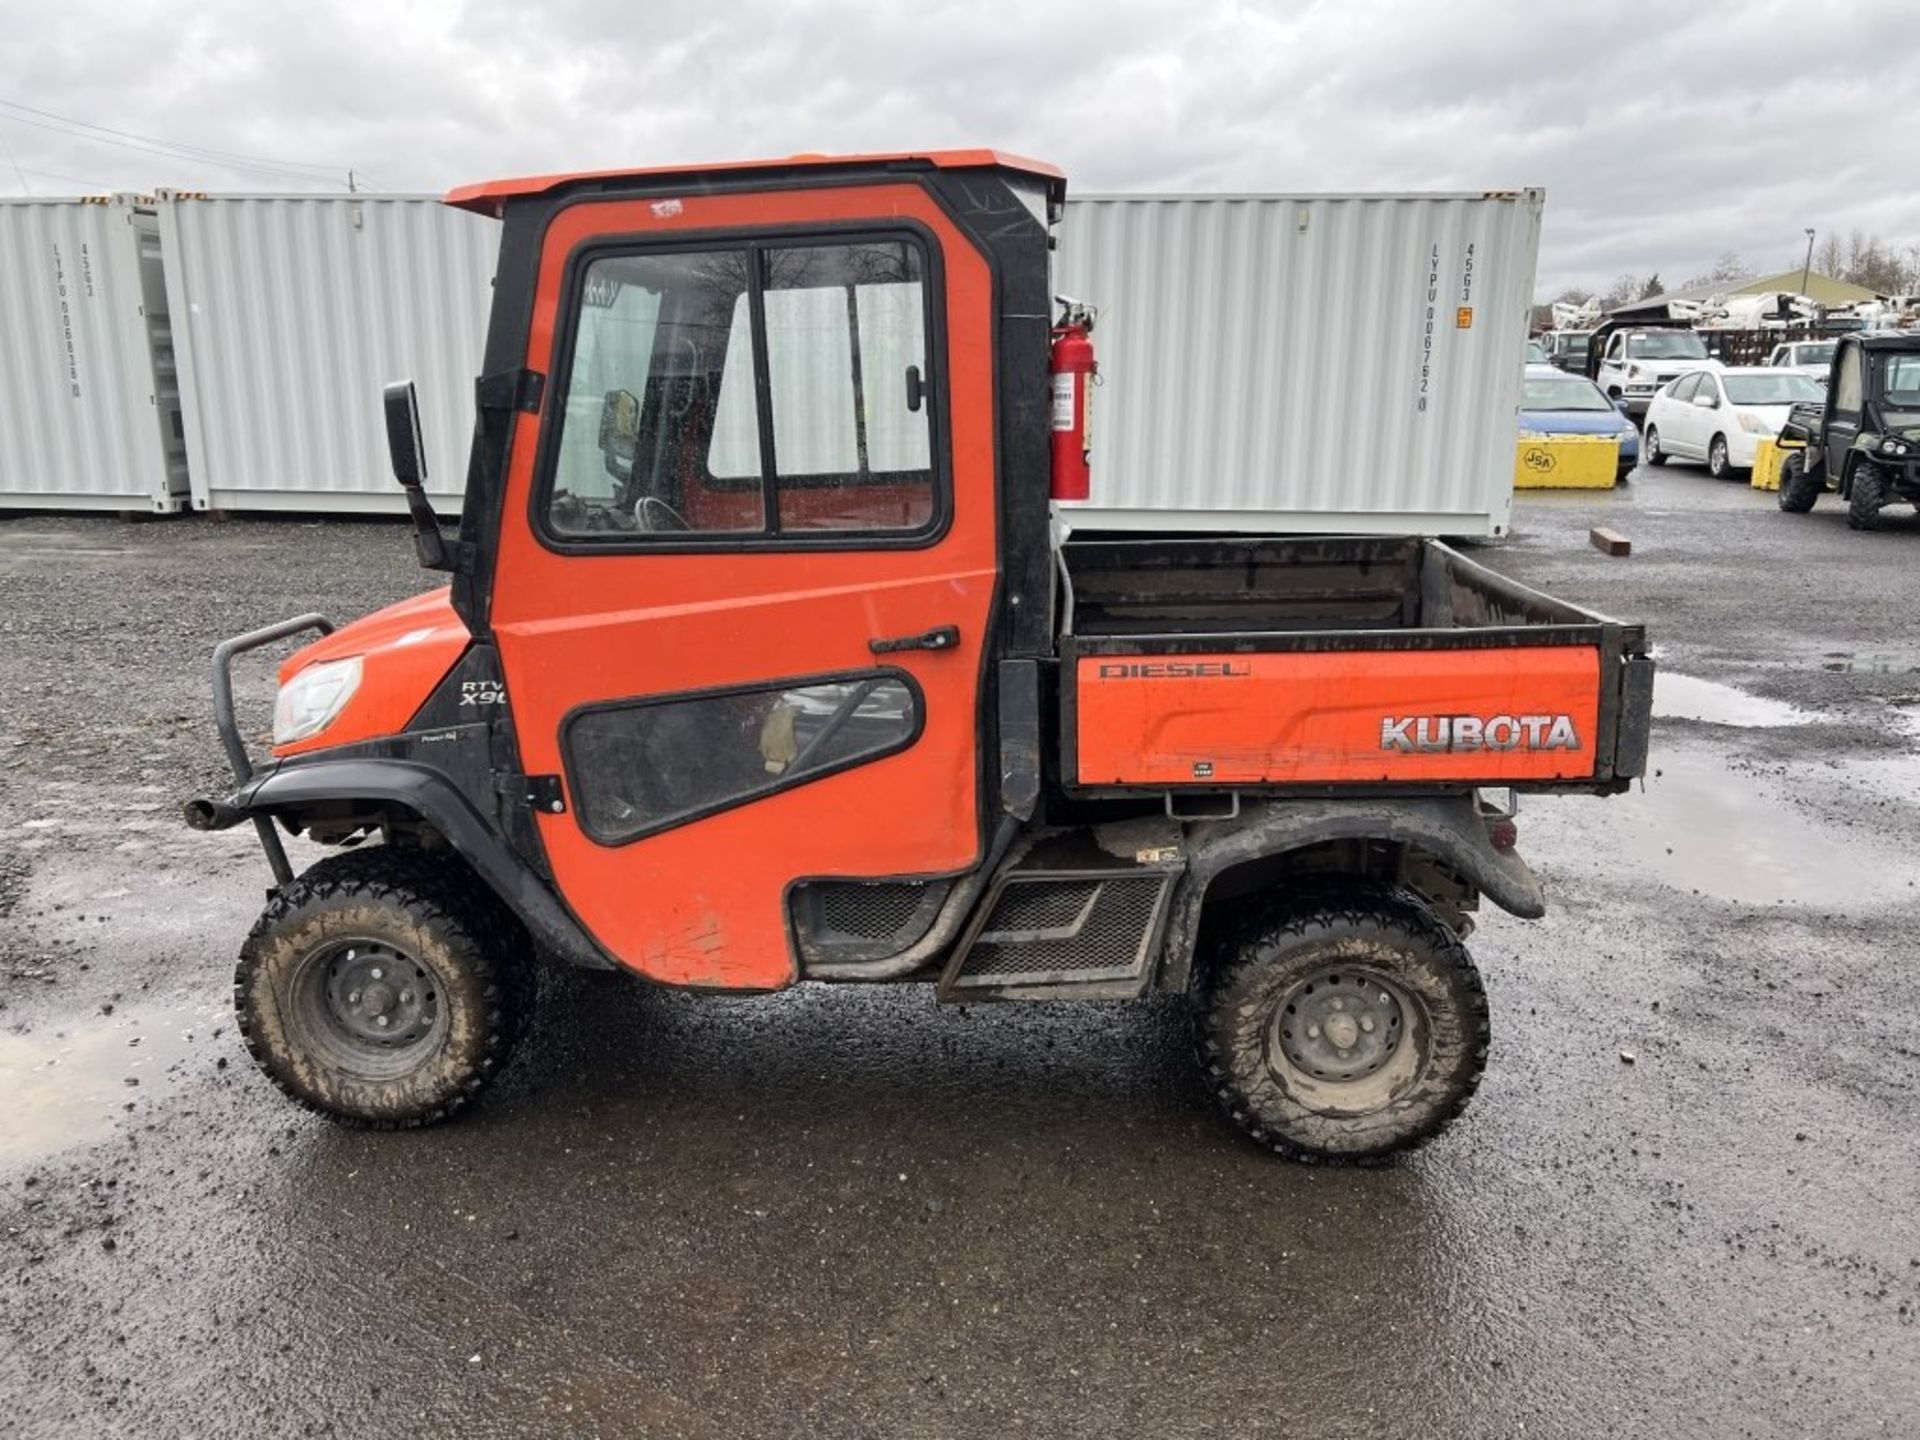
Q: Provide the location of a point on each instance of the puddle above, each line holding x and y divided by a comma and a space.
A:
67, 1085
1845, 664
1702, 825
1688, 697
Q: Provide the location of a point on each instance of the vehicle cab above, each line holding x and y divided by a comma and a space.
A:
1638, 362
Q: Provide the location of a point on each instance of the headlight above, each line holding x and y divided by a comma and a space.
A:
1893, 445
1754, 425
311, 701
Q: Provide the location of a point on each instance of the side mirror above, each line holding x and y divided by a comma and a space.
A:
404, 445
409, 455
619, 431
1706, 402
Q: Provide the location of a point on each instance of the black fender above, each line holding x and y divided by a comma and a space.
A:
1450, 828
436, 799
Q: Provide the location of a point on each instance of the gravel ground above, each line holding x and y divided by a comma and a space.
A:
1681, 1204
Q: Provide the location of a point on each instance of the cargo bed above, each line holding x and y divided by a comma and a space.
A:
1329, 663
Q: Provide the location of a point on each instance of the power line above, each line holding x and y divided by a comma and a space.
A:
16, 165
207, 150
172, 151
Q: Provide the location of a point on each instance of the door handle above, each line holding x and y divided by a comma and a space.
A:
941, 637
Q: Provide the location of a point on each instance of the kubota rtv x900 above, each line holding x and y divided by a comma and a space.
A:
762, 662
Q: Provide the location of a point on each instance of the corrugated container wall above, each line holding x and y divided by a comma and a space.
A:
1304, 363
290, 314
89, 413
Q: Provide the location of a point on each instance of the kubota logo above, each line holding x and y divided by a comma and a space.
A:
1442, 734
1539, 459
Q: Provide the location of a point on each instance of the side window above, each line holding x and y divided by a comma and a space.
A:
847, 365
1617, 349
1846, 384
657, 430
666, 428
1781, 356
1685, 387
647, 766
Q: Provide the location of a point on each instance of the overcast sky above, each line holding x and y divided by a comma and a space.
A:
1665, 134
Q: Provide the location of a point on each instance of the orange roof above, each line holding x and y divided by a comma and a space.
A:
488, 198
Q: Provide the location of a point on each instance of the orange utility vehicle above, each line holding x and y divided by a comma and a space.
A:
764, 660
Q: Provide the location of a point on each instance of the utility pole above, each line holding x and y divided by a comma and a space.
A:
1807, 269
353, 188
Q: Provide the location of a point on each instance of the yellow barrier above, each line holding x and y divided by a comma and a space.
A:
1768, 456
1566, 462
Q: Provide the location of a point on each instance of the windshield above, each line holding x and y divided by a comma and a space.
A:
1812, 355
1567, 393
1666, 345
1771, 389
1566, 340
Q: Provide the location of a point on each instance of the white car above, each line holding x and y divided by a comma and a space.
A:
1639, 362
1720, 416
1811, 358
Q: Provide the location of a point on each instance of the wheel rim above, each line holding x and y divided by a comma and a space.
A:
367, 1008
1653, 442
1347, 1040
1717, 461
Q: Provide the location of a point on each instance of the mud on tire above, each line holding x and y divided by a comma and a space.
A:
384, 987
1357, 963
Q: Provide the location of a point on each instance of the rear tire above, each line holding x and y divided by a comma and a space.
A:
383, 988
1342, 1022
1798, 490
1654, 454
1865, 496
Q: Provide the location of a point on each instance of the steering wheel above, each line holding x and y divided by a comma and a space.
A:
650, 510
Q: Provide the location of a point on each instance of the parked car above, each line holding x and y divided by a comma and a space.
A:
1536, 353
1639, 362
1811, 358
1567, 349
1720, 416
1553, 402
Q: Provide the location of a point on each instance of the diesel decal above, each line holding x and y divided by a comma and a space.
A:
1173, 669
1442, 734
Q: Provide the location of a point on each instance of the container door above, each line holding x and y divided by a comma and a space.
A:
745, 576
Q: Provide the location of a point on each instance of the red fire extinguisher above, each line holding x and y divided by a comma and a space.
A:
1073, 370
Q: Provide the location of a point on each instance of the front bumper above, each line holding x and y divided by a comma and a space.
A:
218, 814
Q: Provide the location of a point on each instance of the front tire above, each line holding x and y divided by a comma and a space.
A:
1866, 496
1719, 462
1655, 455
383, 988
1342, 1023
1798, 490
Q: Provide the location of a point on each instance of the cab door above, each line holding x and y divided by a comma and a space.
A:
1844, 404
747, 562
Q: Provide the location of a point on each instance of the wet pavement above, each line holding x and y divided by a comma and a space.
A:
1680, 1205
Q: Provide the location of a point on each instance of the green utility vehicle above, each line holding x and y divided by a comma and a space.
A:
1863, 441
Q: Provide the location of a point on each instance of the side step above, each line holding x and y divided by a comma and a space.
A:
1064, 926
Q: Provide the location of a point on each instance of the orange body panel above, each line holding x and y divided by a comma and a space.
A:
405, 649
705, 904
1342, 717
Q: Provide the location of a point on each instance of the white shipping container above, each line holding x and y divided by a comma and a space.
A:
290, 314
89, 408
1303, 363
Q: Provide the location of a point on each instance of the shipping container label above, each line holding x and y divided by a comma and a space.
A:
1351, 717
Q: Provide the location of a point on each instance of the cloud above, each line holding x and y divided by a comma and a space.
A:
1664, 135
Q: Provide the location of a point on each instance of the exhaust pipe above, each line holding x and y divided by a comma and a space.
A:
213, 815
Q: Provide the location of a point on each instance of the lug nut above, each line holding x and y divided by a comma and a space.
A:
1366, 1023
1313, 1032
1338, 1003
353, 997
406, 998
381, 1021
375, 972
